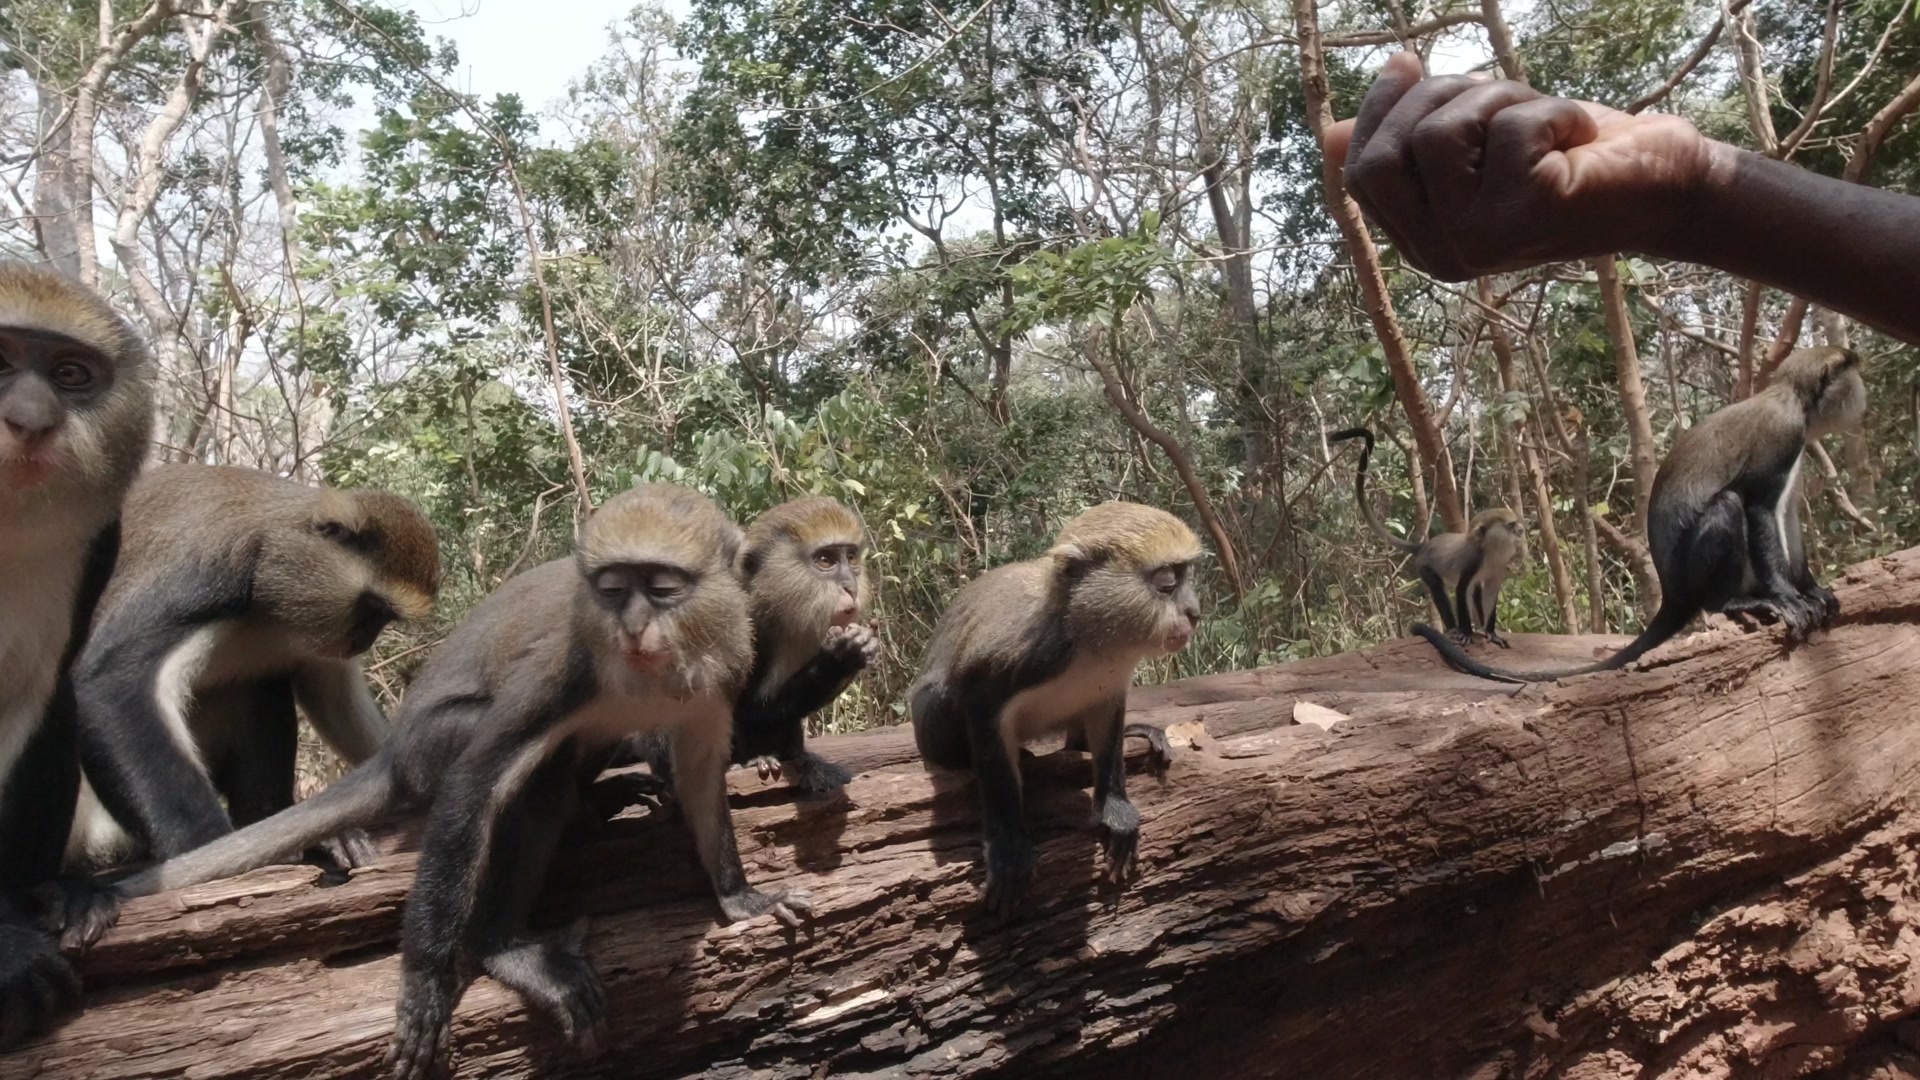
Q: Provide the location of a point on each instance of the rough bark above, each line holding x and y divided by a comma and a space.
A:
1703, 867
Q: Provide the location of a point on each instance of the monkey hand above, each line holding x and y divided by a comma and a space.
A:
816, 775
1119, 825
787, 905
422, 1043
36, 982
1009, 877
1494, 637
1798, 615
79, 910
351, 850
1460, 637
852, 647
1823, 601
1472, 176
767, 765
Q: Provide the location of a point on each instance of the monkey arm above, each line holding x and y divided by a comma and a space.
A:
1010, 858
340, 707
700, 780
1114, 814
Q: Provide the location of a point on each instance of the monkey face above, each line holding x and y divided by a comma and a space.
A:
1118, 605
641, 600
45, 379
359, 562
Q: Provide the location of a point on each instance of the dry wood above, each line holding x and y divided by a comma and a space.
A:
1700, 868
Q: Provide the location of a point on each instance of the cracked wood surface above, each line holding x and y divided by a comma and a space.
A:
1462, 879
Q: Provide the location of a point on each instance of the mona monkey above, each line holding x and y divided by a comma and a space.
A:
1463, 572
644, 629
76, 418
238, 593
1723, 524
1050, 645
806, 590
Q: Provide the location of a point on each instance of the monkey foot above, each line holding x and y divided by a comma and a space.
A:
79, 910
36, 982
1159, 751
1009, 878
787, 905
422, 1045
556, 978
1119, 824
1494, 637
1796, 614
351, 850
816, 775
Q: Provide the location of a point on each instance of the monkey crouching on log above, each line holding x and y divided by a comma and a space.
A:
1050, 645
1463, 572
76, 418
238, 593
1723, 520
807, 590
644, 629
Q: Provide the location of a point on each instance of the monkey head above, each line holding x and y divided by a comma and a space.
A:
803, 568
661, 592
352, 562
1828, 384
76, 391
1495, 529
1128, 570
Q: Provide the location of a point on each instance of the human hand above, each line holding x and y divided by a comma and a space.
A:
1472, 176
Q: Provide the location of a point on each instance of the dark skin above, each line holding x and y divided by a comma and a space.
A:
1470, 176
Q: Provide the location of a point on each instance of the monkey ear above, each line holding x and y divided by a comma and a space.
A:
730, 543
750, 563
1071, 556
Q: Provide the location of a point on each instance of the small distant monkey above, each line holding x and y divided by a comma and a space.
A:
1050, 645
76, 420
1723, 520
644, 629
238, 594
1463, 572
807, 589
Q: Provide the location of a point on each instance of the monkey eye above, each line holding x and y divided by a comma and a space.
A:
72, 375
666, 585
335, 531
611, 584
824, 560
1166, 579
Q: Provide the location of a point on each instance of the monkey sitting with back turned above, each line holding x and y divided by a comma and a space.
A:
1050, 645
1463, 572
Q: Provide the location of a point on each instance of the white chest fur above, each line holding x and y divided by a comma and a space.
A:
37, 588
1047, 708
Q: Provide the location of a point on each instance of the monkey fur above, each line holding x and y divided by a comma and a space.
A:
645, 628
1050, 645
76, 421
1463, 572
1723, 524
238, 593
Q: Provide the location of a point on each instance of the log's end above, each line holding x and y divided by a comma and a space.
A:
1704, 867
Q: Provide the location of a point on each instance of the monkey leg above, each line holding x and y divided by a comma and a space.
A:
1159, 751
555, 978
1009, 848
258, 742
700, 758
816, 775
1734, 529
939, 731
1113, 814
1491, 604
1437, 589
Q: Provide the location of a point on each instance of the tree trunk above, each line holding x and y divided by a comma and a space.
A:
1373, 284
1633, 393
1700, 868
1535, 468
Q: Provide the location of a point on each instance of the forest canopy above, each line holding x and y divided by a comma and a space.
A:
966, 268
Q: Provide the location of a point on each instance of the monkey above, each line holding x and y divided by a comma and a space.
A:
807, 589
76, 421
238, 594
1050, 645
1722, 525
644, 628
1463, 572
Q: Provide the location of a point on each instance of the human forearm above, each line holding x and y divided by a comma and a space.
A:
1849, 247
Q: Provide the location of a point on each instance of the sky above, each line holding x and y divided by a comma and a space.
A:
528, 47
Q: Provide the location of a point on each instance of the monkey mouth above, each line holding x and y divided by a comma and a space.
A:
648, 661
1176, 641
25, 472
846, 617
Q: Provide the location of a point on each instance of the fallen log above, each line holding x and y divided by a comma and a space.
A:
1701, 867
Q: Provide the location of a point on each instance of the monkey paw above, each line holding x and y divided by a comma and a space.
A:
422, 1046
1009, 877
855, 646
1824, 602
1494, 637
767, 765
1794, 613
1119, 825
1460, 637
351, 850
79, 910
36, 982
787, 905
1159, 751
816, 775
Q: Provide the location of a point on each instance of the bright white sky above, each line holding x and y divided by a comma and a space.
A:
528, 47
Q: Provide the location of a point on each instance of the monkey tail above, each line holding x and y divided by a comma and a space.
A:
1360, 488
1666, 623
359, 798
